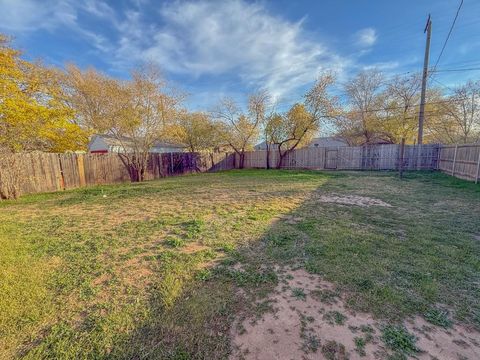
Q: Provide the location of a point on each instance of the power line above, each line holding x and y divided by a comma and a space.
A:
455, 70
448, 35
442, 84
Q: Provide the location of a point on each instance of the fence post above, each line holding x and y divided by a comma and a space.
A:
81, 170
62, 177
439, 150
478, 167
454, 160
402, 152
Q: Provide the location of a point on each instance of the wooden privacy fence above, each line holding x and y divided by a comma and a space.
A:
373, 157
462, 161
43, 172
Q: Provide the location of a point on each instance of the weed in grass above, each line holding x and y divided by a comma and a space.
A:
310, 341
263, 307
174, 242
367, 329
399, 339
438, 317
360, 346
227, 247
193, 228
250, 276
170, 289
203, 275
335, 318
325, 296
334, 351
299, 294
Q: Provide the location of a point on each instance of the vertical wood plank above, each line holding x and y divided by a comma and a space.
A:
454, 160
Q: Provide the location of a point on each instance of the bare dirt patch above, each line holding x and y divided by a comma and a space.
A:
310, 321
357, 200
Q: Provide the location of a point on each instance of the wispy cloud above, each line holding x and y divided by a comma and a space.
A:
28, 16
366, 37
214, 38
31, 15
235, 39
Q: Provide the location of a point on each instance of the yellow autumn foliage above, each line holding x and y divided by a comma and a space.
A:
33, 115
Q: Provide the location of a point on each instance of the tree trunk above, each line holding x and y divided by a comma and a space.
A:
281, 157
241, 162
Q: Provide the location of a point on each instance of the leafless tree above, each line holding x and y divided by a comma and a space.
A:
241, 129
359, 123
461, 121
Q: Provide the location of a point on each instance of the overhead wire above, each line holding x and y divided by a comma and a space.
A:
448, 35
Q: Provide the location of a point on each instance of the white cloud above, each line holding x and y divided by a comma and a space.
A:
366, 37
55, 15
233, 38
31, 15
215, 38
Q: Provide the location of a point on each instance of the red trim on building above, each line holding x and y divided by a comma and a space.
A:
99, 152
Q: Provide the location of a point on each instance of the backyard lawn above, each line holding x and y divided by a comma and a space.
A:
204, 266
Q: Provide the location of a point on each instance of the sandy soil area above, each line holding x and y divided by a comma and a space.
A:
310, 321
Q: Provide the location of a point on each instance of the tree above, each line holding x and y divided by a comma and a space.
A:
137, 112
291, 130
33, 115
460, 120
196, 130
401, 120
98, 100
297, 127
360, 123
240, 130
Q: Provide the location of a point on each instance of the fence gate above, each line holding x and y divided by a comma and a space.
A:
331, 157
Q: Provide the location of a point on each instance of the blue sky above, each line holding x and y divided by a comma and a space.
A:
213, 49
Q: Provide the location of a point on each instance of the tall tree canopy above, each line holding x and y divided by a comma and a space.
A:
197, 130
240, 129
458, 118
360, 119
297, 127
137, 112
33, 114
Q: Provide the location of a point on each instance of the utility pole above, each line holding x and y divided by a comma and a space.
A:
421, 115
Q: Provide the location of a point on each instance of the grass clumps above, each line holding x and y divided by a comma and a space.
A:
334, 351
174, 242
438, 317
360, 344
335, 318
398, 339
299, 294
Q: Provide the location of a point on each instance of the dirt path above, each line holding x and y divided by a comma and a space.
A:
310, 321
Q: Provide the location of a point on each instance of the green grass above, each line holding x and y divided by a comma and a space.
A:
152, 270
399, 340
334, 318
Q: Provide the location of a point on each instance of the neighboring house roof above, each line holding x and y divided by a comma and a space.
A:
108, 143
327, 142
263, 146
